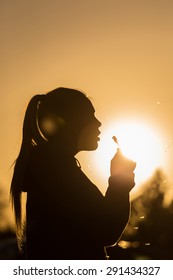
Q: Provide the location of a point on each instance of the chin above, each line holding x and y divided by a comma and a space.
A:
88, 146
92, 147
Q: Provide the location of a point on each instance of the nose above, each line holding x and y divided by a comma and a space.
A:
98, 122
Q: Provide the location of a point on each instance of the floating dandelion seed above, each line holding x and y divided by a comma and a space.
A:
147, 244
158, 102
141, 217
136, 228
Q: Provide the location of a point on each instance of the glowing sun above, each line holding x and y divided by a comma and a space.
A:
138, 141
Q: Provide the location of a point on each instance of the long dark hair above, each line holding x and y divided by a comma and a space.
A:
30, 136
65, 102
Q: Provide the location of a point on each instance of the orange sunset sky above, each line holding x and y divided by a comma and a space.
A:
120, 53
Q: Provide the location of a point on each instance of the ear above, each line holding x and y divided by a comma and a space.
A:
51, 124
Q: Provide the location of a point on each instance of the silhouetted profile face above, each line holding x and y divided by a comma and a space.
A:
67, 120
89, 135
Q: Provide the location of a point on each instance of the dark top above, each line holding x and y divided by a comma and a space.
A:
67, 217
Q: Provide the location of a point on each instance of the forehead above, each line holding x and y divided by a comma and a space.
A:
85, 113
82, 105
89, 107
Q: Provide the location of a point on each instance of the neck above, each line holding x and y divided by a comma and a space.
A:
65, 148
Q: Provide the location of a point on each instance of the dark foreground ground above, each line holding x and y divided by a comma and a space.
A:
9, 251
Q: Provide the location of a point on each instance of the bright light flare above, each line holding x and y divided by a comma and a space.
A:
138, 141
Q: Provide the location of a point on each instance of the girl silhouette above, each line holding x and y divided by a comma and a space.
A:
67, 217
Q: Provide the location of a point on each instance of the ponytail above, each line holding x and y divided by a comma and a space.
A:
31, 136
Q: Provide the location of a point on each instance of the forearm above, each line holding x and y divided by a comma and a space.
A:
117, 208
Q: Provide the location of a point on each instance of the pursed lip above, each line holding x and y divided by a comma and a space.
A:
98, 135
